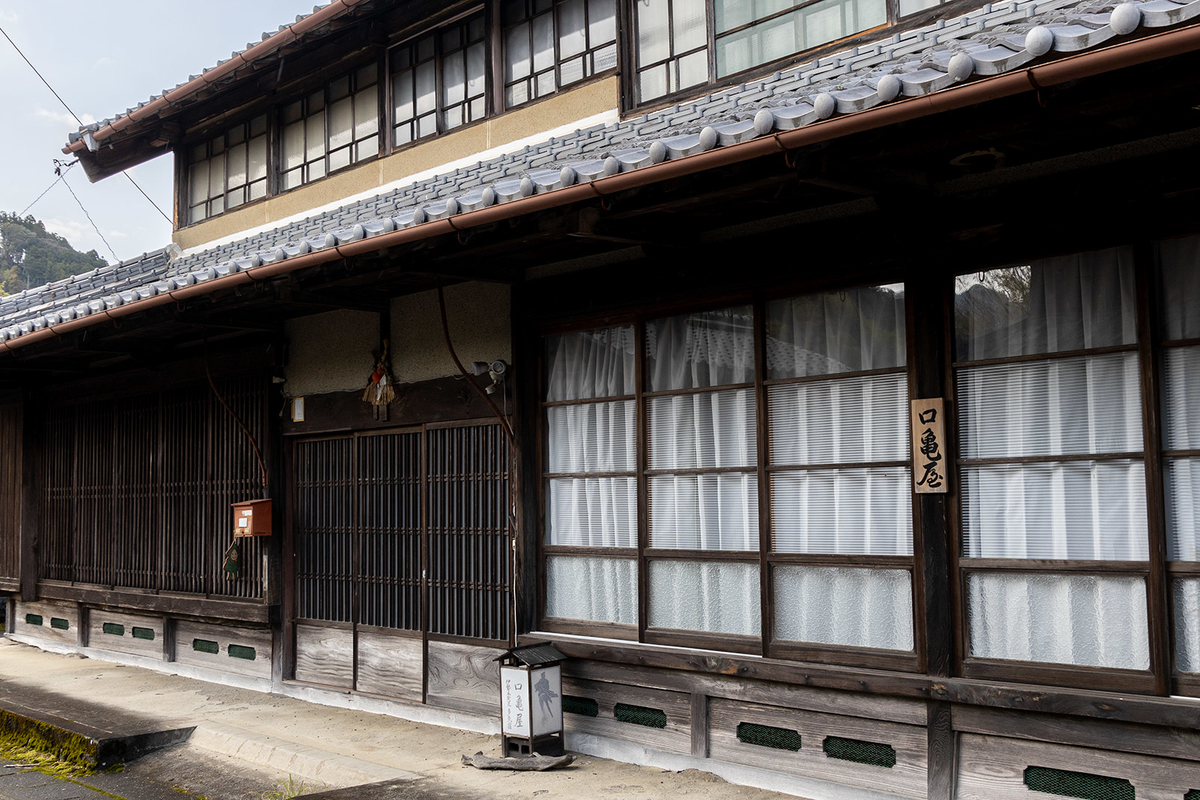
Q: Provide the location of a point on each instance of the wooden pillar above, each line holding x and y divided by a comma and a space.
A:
30, 440
523, 470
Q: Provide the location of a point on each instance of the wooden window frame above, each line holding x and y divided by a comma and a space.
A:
246, 128
765, 557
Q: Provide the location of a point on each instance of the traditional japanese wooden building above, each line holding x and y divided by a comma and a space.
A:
820, 377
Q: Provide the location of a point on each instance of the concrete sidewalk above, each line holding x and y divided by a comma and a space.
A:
282, 740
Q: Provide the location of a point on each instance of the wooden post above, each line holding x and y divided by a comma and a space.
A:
523, 469
30, 437
699, 724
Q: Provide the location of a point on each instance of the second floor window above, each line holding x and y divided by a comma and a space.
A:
228, 170
331, 128
439, 80
554, 43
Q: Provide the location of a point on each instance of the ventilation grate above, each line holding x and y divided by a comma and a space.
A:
872, 753
1194, 794
59, 624
1084, 785
241, 651
33, 619
583, 706
143, 633
767, 736
113, 629
640, 715
205, 646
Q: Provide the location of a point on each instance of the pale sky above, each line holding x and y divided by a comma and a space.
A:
103, 58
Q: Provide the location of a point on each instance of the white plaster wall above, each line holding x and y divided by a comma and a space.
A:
478, 314
331, 352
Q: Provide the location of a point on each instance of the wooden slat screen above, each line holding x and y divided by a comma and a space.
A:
136, 492
10, 491
468, 532
389, 524
324, 494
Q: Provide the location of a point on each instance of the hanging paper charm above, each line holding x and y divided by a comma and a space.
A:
380, 389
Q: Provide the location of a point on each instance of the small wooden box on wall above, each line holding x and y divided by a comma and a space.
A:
252, 518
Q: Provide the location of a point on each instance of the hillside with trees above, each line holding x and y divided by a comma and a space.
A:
31, 256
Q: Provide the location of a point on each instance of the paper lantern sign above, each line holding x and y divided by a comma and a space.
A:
531, 700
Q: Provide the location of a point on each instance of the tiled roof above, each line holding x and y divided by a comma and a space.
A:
990, 40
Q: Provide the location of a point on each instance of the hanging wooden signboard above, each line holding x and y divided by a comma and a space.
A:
930, 474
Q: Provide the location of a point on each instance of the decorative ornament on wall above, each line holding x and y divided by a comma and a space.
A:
381, 389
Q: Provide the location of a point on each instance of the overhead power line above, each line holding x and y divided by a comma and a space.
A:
89, 219
77, 119
62, 171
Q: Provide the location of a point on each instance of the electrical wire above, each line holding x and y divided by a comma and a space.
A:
89, 219
62, 174
81, 125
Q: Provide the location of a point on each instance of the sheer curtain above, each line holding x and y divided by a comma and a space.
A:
1180, 296
823, 429
708, 434
591, 434
1020, 498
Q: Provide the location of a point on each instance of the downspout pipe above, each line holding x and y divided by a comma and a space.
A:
1071, 68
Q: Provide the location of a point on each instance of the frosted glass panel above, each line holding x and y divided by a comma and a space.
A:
1182, 478
602, 24
705, 596
696, 351
585, 364
1067, 303
704, 512
654, 43
592, 512
596, 589
1090, 404
198, 183
1078, 510
594, 437
237, 167
850, 331
848, 420
1181, 287
366, 113
572, 36
1187, 624
1181, 397
314, 136
841, 606
705, 430
1087, 620
517, 60
689, 24
258, 158
341, 123
844, 511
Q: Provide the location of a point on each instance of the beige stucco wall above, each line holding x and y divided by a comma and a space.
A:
557, 110
478, 314
331, 352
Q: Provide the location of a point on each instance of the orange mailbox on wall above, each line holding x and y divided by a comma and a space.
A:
252, 518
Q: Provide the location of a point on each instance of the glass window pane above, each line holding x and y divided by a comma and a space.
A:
705, 596
258, 126
1187, 624
1180, 287
425, 48
316, 170
314, 102
293, 178
545, 83
366, 76
770, 41
257, 165
237, 166
366, 114
689, 22
846, 607
426, 88
476, 70
572, 24
426, 126
1068, 303
592, 512
1091, 510
593, 437
236, 135
652, 83
823, 22
198, 183
692, 70
571, 71
366, 148
543, 42
605, 59
216, 176
258, 190
293, 145
1182, 477
454, 79
402, 97
339, 158
475, 28
1087, 404
596, 589
512, 11
586, 364
654, 42
1181, 397
913, 6
452, 118
517, 60
341, 123
339, 88
843, 511
1087, 620
602, 22
692, 351
199, 153
704, 512
314, 136
293, 112
847, 420
703, 431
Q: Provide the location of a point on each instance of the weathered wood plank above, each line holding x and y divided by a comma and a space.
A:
463, 677
907, 778
190, 605
993, 768
125, 641
674, 737
941, 756
325, 655
390, 665
190, 639
48, 613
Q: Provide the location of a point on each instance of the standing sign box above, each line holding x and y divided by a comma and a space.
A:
252, 518
531, 700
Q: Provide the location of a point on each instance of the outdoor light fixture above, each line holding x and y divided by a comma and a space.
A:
531, 700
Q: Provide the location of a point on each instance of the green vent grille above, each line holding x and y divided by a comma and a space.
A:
113, 629
240, 651
143, 633
33, 619
205, 646
583, 706
766, 736
873, 753
58, 623
1084, 785
640, 715
1194, 794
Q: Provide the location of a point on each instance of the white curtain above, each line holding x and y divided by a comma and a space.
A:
1088, 620
842, 606
698, 351
597, 589
705, 596
1187, 624
843, 511
588, 364
1180, 292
